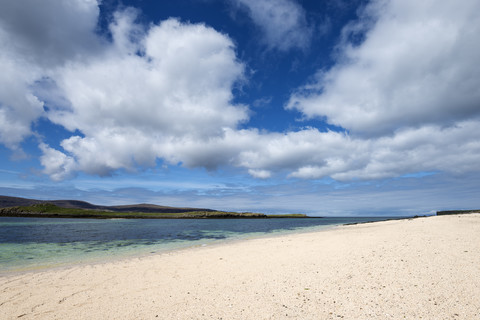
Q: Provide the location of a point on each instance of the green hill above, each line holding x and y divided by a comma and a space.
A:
48, 210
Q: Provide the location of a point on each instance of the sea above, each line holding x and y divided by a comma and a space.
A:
28, 244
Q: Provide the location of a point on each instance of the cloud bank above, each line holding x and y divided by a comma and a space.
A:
406, 94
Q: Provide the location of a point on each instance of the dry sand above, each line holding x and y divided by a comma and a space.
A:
422, 268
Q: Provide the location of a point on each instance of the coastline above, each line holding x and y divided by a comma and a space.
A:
69, 245
425, 267
149, 251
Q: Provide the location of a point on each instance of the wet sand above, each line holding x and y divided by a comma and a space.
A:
419, 268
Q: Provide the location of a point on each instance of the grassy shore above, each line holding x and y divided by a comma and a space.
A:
47, 210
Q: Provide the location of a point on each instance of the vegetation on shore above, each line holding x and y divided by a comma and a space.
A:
48, 210
448, 212
291, 215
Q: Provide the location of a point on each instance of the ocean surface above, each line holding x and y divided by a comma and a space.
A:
37, 243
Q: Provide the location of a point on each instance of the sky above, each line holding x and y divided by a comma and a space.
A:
325, 107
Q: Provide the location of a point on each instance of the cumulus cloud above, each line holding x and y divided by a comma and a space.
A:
34, 38
51, 32
56, 164
418, 64
261, 174
283, 22
429, 148
311, 154
181, 85
135, 108
18, 107
407, 99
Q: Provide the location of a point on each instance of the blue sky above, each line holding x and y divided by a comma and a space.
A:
319, 107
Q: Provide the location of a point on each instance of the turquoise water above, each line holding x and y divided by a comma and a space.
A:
36, 243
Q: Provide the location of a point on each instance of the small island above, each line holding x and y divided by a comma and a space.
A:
21, 207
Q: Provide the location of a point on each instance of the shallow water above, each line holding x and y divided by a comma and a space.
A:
36, 243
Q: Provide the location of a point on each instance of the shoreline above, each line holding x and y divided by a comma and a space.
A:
425, 267
138, 253
139, 250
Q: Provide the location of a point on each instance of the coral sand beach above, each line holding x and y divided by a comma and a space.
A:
411, 268
307, 110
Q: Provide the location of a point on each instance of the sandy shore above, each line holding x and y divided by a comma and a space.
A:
422, 268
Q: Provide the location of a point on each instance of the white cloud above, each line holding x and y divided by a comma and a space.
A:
283, 22
261, 174
56, 164
51, 32
35, 37
18, 107
310, 154
165, 92
429, 148
135, 108
418, 64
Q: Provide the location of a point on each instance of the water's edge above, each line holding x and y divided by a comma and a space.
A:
32, 245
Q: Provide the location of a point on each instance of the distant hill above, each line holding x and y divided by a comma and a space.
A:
22, 207
6, 202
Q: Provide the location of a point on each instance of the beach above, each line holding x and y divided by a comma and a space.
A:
412, 268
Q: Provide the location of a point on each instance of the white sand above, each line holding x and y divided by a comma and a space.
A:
423, 268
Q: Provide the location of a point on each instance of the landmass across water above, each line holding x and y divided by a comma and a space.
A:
455, 212
22, 207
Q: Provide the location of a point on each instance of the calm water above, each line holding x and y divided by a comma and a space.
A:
33, 243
